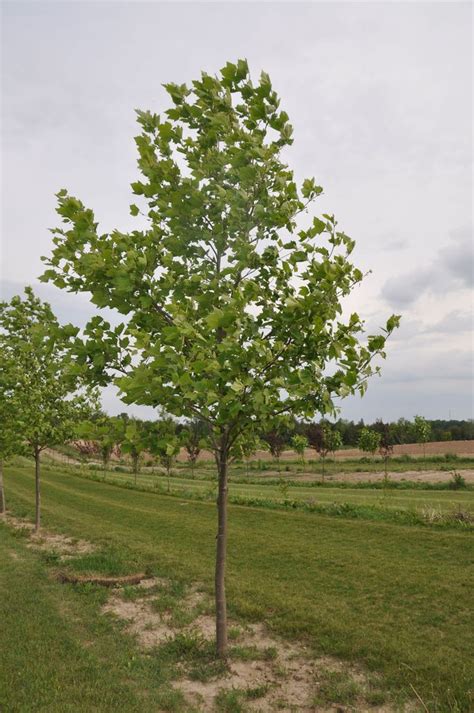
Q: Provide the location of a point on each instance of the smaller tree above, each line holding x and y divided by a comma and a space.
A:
422, 432
334, 440
192, 438
134, 442
299, 444
276, 439
50, 401
164, 442
386, 444
107, 433
369, 441
245, 448
324, 440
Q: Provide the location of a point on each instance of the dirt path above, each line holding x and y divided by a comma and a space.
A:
417, 476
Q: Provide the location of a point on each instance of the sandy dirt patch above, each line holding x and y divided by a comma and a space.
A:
268, 673
417, 476
63, 546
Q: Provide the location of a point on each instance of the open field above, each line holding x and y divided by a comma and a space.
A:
460, 448
391, 598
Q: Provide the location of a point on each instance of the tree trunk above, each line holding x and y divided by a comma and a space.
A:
38, 490
221, 552
3, 506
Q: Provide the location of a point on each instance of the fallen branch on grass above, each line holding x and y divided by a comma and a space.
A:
65, 577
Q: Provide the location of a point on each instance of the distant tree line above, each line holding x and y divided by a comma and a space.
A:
401, 431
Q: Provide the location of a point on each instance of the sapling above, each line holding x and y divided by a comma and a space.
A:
422, 432
231, 294
369, 441
46, 390
299, 444
385, 446
276, 438
134, 443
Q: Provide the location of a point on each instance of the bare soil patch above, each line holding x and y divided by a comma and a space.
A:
63, 546
68, 578
417, 476
264, 672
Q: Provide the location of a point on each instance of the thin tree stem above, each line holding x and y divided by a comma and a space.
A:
221, 551
37, 490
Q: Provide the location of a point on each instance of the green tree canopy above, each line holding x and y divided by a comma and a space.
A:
134, 442
369, 440
46, 392
422, 432
107, 433
231, 293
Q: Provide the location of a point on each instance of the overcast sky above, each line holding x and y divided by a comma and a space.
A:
380, 97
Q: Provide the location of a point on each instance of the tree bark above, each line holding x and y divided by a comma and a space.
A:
221, 552
38, 490
3, 506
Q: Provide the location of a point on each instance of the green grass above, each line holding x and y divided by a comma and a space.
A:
403, 502
58, 653
410, 499
393, 597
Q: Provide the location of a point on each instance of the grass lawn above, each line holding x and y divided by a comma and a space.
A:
58, 653
409, 499
394, 597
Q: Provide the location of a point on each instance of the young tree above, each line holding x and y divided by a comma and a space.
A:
324, 440
245, 447
233, 306
385, 445
276, 439
107, 433
192, 437
369, 441
422, 432
49, 403
164, 442
299, 444
134, 442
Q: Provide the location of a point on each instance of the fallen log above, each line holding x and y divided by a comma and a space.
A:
68, 578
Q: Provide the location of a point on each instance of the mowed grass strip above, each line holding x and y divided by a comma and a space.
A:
59, 653
416, 499
396, 598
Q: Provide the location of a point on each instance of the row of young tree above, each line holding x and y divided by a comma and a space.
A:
230, 293
164, 438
